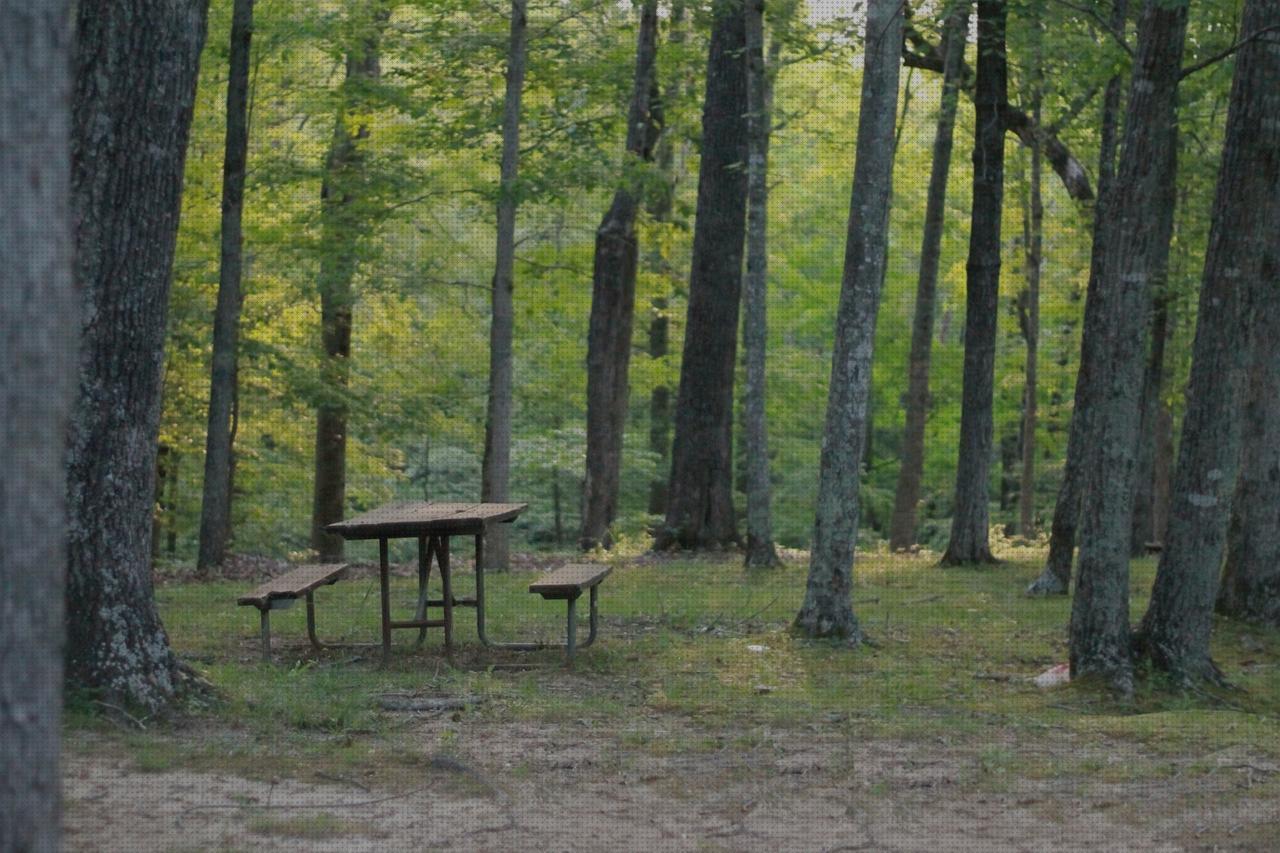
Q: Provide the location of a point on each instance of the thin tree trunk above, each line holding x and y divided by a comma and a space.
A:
902, 532
1100, 609
38, 342
659, 408
969, 541
1056, 577
827, 610
160, 515
1029, 307
496, 473
171, 506
1163, 471
1152, 382
760, 548
1251, 581
341, 227
215, 507
136, 66
700, 499
1240, 276
613, 293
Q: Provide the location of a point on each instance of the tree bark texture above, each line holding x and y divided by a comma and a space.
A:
39, 330
215, 507
496, 469
699, 498
761, 552
1251, 580
341, 224
136, 65
969, 541
1241, 271
827, 610
1056, 577
613, 293
902, 528
1029, 305
1100, 609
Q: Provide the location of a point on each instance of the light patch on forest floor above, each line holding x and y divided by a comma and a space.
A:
667, 784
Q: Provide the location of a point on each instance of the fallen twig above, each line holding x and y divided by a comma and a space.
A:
445, 703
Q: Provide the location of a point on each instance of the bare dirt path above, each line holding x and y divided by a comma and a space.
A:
666, 785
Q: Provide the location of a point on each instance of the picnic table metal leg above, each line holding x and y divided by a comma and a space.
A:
484, 641
265, 613
311, 622
426, 548
442, 557
571, 639
595, 617
384, 581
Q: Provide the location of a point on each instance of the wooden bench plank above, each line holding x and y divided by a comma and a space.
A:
295, 583
570, 580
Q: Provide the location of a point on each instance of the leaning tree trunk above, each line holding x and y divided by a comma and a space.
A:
613, 293
1029, 305
38, 341
699, 497
136, 67
760, 548
827, 610
1251, 581
969, 523
496, 471
1056, 577
1100, 609
1240, 274
341, 227
902, 529
215, 508
1143, 529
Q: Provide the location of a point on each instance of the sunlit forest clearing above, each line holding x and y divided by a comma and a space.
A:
669, 424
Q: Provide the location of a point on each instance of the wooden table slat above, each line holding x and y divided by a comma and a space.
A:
295, 583
408, 518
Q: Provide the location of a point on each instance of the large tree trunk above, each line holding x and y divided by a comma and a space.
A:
1251, 581
215, 508
1029, 306
496, 470
827, 610
136, 67
902, 529
341, 226
38, 340
1100, 610
969, 524
1056, 577
613, 292
699, 498
1240, 275
760, 548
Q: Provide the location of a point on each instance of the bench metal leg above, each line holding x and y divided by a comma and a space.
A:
571, 642
311, 623
265, 614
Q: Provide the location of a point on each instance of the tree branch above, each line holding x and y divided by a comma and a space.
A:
1221, 55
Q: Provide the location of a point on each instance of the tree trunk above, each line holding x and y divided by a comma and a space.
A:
1056, 577
969, 523
613, 292
1240, 276
659, 408
136, 67
341, 226
827, 610
760, 548
1100, 610
38, 342
1029, 305
215, 508
1251, 581
700, 499
1152, 381
902, 532
496, 473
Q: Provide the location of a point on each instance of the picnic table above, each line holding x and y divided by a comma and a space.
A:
432, 524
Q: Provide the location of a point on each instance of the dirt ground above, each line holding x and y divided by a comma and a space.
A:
668, 785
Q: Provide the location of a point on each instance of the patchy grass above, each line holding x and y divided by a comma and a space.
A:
703, 642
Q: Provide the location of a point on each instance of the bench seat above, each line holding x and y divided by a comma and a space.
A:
282, 591
567, 584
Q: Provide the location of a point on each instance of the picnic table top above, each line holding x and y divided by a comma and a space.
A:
417, 518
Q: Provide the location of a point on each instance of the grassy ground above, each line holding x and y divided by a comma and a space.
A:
694, 659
